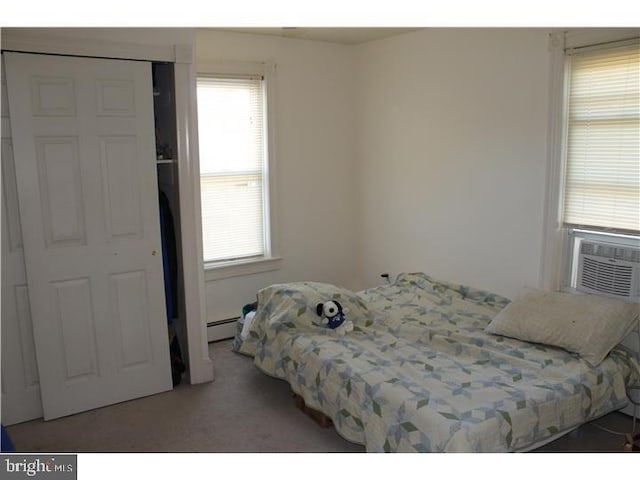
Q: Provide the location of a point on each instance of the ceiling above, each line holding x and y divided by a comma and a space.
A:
342, 35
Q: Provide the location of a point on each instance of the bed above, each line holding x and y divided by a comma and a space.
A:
422, 371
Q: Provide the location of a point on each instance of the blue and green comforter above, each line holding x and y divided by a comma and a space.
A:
419, 374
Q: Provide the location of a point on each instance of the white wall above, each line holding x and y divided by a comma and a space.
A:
424, 151
451, 128
316, 197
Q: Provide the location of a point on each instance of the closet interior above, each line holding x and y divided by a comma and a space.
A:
164, 108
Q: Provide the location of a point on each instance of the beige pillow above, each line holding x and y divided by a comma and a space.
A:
588, 325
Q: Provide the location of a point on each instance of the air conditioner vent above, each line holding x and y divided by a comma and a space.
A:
609, 269
610, 251
607, 278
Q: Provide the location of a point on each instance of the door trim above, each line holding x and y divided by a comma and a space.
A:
88, 47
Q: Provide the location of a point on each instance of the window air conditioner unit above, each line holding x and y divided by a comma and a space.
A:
612, 270
609, 269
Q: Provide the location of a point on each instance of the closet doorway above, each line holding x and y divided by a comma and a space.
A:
84, 147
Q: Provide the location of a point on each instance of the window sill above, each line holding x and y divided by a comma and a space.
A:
218, 271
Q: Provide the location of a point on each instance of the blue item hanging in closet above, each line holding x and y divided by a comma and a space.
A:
169, 257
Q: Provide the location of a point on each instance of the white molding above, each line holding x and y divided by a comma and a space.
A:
237, 269
234, 67
200, 365
581, 37
27, 42
552, 243
183, 54
269, 70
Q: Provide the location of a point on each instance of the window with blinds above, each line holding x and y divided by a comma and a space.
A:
231, 128
602, 172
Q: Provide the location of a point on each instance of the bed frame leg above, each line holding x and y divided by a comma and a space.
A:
319, 417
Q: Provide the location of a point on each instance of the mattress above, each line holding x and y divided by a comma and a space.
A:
418, 373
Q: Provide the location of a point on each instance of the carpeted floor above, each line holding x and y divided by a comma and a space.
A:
243, 410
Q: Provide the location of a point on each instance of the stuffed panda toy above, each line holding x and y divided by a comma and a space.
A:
333, 316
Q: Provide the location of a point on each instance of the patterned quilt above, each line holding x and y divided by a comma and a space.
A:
419, 374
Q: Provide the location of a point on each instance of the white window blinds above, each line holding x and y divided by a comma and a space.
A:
602, 176
231, 128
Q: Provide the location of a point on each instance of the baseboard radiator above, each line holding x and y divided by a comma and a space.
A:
221, 329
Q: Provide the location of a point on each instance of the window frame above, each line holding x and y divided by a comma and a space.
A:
556, 263
271, 260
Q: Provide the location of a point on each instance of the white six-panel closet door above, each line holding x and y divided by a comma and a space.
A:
84, 148
20, 383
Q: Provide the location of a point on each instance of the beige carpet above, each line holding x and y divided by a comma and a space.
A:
243, 410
